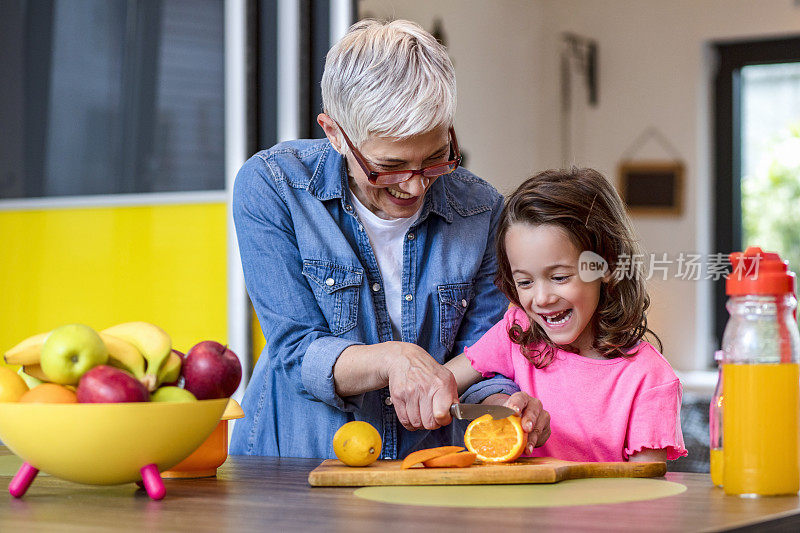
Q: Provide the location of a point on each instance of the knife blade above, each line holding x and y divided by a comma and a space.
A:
471, 411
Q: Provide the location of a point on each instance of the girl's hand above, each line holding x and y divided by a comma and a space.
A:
535, 420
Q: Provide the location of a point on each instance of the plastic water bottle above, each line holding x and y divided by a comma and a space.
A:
715, 426
761, 367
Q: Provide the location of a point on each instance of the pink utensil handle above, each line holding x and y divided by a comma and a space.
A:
153, 483
22, 480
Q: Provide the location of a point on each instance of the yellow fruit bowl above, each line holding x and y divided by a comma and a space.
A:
204, 461
105, 443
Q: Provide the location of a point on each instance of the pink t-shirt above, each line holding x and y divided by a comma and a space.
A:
600, 410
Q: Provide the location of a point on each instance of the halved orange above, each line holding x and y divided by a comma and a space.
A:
495, 441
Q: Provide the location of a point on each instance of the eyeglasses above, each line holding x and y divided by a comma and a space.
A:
398, 176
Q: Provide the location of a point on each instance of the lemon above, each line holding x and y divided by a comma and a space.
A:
12, 387
357, 444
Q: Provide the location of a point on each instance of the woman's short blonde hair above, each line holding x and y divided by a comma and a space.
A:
388, 79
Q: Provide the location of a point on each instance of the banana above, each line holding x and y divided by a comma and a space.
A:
124, 355
26, 352
29, 380
153, 343
28, 355
171, 370
35, 371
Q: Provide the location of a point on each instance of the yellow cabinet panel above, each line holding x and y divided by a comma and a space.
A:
164, 264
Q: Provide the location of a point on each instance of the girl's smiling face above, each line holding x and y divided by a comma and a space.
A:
544, 265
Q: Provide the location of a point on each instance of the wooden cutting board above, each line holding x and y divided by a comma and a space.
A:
333, 473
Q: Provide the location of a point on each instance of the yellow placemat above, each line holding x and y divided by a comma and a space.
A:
570, 492
9, 464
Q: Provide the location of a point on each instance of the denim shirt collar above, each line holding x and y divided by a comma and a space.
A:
324, 186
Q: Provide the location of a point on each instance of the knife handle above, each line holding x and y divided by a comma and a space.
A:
454, 410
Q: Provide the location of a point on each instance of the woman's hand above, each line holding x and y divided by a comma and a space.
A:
535, 420
421, 389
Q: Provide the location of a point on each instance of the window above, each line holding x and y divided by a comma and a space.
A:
111, 96
770, 133
757, 133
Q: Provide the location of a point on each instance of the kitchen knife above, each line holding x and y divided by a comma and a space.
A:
471, 411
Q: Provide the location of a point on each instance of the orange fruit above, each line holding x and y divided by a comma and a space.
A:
11, 385
49, 393
495, 441
451, 460
420, 456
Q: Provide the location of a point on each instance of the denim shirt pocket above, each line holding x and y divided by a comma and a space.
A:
336, 289
454, 299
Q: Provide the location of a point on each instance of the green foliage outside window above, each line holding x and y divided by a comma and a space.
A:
771, 200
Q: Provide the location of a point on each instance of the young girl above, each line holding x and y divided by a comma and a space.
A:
573, 337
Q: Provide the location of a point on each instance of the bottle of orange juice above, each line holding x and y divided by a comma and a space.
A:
715, 426
761, 365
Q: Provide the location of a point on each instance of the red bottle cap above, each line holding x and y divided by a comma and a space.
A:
758, 272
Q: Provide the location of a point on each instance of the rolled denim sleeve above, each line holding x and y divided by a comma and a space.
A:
299, 343
316, 372
485, 311
483, 389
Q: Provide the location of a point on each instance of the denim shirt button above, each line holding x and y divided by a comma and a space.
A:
410, 236
388, 400
329, 282
348, 208
463, 303
376, 287
409, 297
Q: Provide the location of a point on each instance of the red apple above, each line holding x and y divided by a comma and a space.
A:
210, 370
106, 384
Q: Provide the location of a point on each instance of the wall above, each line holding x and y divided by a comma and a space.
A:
496, 117
655, 69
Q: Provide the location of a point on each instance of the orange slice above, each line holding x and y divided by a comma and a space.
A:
451, 460
495, 441
420, 456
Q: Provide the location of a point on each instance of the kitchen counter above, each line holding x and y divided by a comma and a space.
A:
272, 494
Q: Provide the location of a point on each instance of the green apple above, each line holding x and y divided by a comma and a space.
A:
70, 351
29, 380
169, 393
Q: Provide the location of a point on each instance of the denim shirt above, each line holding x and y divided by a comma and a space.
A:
315, 285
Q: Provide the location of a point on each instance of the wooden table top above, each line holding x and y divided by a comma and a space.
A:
272, 494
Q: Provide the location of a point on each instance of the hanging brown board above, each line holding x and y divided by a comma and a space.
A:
652, 187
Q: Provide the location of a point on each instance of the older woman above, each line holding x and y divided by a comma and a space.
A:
368, 257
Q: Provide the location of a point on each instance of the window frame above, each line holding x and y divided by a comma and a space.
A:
731, 58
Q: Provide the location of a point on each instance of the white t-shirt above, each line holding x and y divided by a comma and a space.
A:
386, 237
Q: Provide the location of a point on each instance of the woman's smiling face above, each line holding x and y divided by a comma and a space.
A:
544, 265
384, 154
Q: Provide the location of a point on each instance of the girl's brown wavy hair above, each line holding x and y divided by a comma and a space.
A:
583, 203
